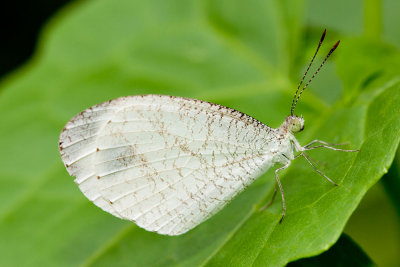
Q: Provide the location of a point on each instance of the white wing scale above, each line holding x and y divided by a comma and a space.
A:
167, 163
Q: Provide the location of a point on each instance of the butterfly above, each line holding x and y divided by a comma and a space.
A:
168, 163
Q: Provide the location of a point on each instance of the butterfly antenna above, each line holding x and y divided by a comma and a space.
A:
308, 68
315, 73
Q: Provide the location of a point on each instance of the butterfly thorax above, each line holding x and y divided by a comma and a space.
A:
285, 143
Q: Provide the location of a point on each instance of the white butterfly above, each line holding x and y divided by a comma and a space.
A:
169, 163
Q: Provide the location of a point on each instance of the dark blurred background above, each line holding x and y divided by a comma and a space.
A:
20, 24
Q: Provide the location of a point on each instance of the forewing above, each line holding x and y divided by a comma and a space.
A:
169, 163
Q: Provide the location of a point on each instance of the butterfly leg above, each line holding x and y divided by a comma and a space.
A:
326, 145
304, 155
278, 181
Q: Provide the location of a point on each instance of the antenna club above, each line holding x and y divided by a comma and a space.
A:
335, 46
323, 36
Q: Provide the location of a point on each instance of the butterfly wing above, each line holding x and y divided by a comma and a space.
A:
77, 145
167, 163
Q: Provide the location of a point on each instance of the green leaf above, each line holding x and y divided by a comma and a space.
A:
243, 55
344, 253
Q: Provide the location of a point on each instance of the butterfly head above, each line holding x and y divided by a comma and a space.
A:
294, 123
